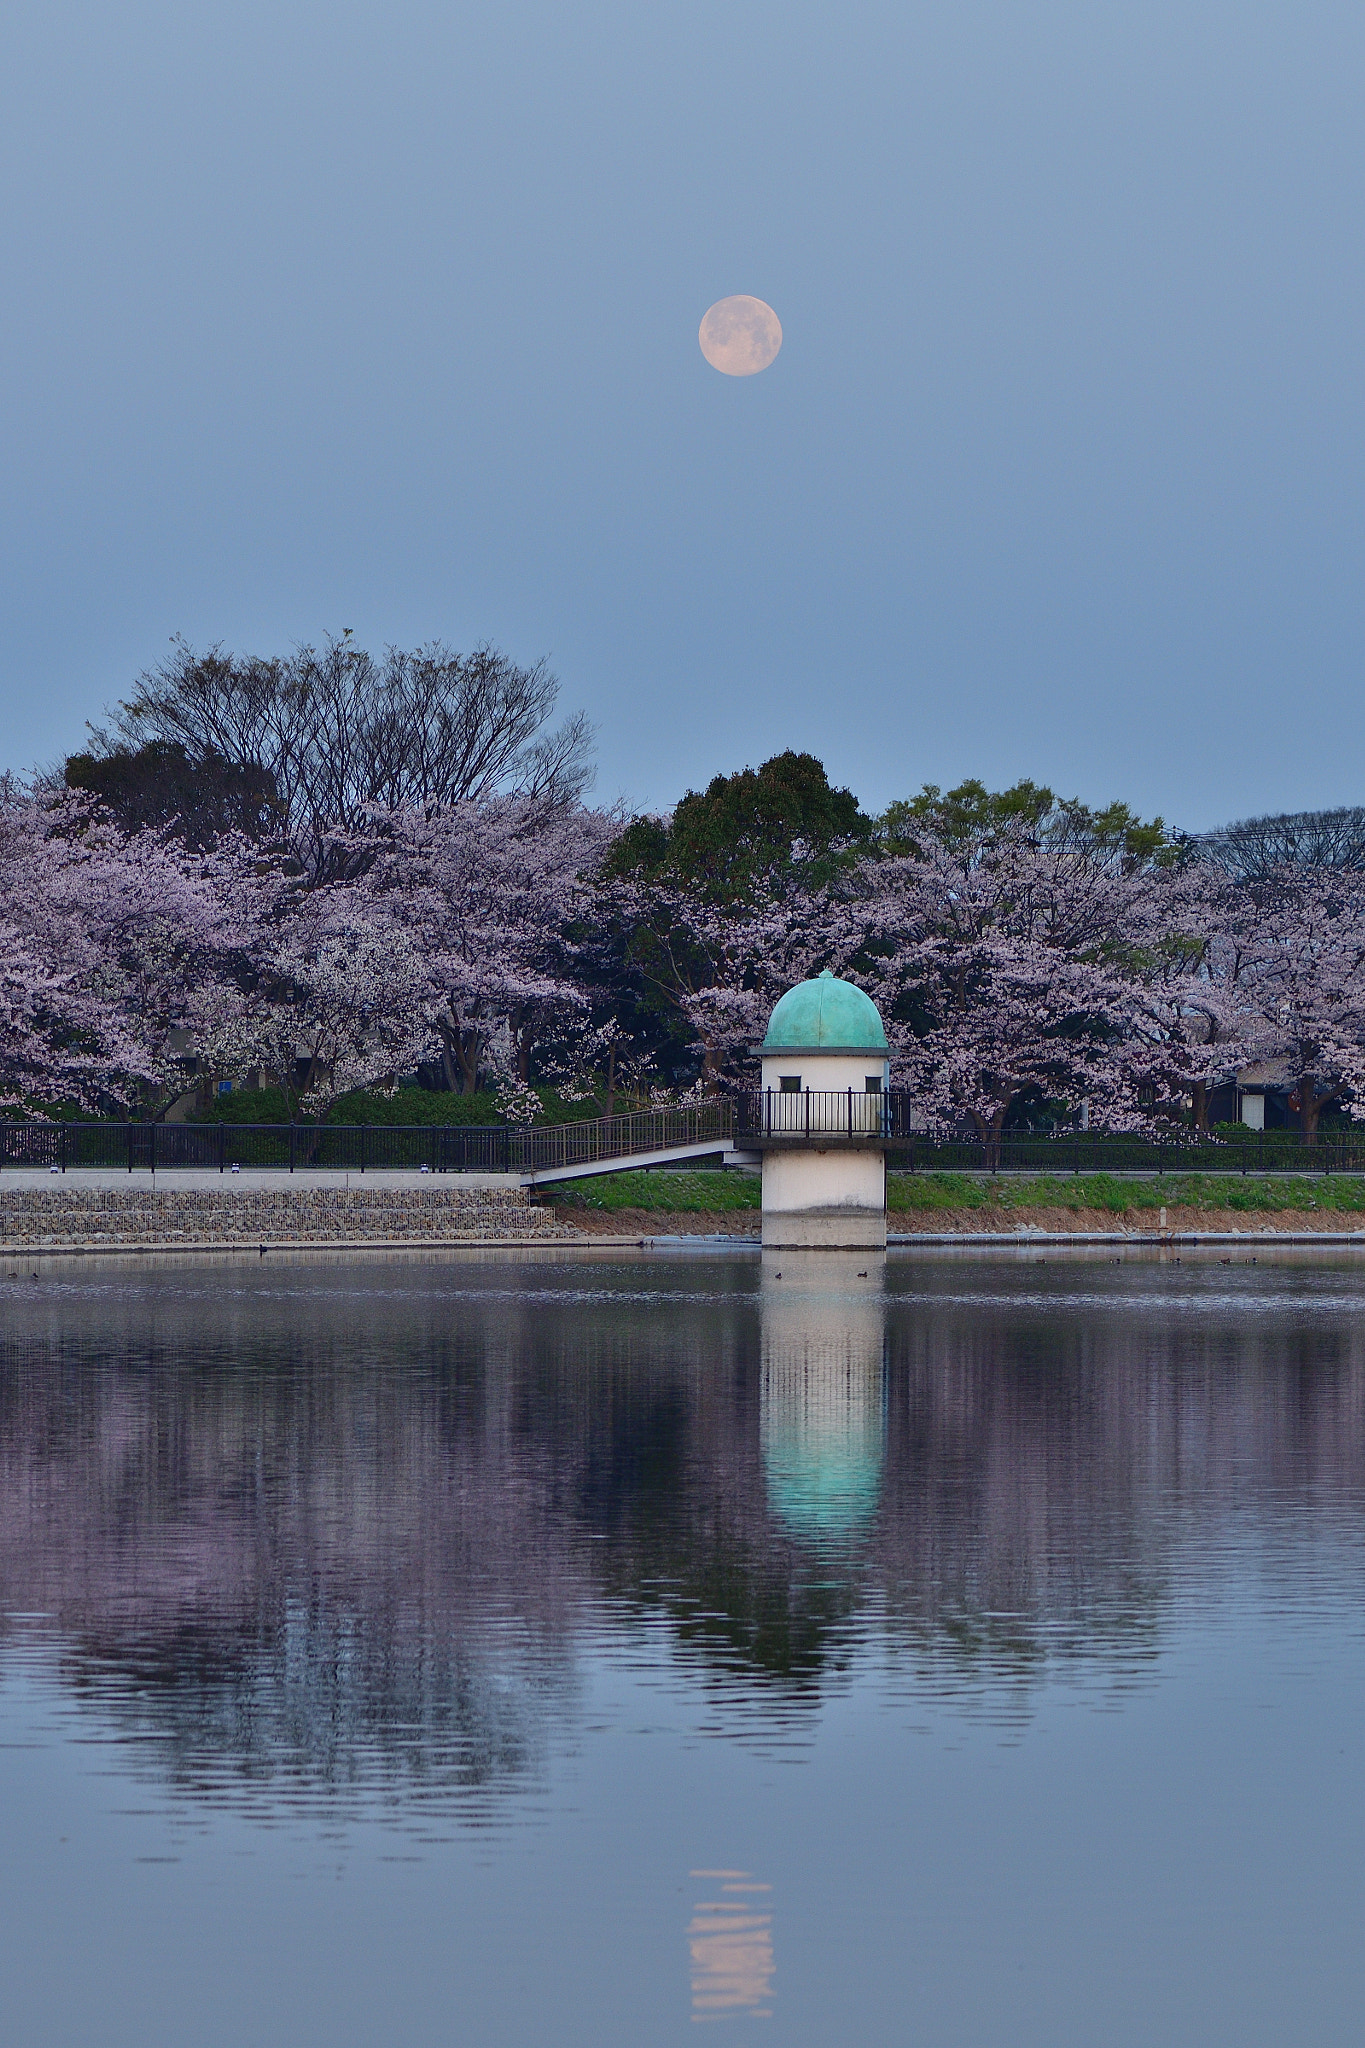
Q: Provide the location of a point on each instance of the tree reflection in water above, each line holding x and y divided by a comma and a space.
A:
359, 1526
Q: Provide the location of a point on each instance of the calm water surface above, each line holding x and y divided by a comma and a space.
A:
582, 1650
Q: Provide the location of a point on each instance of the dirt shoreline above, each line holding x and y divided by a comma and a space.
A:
1142, 1222
1004, 1223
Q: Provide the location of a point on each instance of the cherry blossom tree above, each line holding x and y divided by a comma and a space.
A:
112, 949
1268, 970
1300, 982
1011, 961
335, 1003
1014, 945
1031, 951
57, 1044
1184, 953
488, 894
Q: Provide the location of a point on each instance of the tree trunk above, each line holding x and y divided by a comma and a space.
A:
997, 1134
299, 1092
710, 1067
460, 1051
611, 1081
990, 1131
526, 1038
1311, 1106
448, 1063
1200, 1106
468, 1047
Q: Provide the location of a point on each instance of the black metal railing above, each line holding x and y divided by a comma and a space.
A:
777, 1118
542, 1147
441, 1148
1108, 1152
758, 1119
787, 1117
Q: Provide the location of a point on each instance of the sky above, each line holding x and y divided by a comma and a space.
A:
385, 317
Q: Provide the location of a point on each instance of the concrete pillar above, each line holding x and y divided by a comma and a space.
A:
824, 1200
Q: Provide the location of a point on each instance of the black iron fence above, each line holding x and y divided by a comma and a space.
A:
1106, 1152
441, 1148
771, 1117
759, 1119
778, 1116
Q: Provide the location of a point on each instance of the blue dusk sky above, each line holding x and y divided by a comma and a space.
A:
386, 317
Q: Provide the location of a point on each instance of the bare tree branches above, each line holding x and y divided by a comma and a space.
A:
1255, 849
340, 735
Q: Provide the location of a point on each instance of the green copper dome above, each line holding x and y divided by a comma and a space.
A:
826, 1013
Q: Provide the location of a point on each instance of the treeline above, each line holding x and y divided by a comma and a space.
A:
333, 872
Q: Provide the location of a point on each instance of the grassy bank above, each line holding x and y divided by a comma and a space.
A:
965, 1201
677, 1194
1119, 1195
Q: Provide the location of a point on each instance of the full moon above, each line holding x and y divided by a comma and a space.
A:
740, 335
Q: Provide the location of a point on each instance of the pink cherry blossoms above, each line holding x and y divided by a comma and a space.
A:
1020, 956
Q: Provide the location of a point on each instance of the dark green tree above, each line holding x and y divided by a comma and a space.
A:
748, 835
158, 785
747, 838
970, 819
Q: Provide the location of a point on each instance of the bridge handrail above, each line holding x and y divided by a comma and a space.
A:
536, 1146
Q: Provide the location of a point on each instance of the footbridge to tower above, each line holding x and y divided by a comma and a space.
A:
535, 1155
546, 1154
732, 1130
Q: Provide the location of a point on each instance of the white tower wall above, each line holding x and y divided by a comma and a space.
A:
827, 1194
822, 1071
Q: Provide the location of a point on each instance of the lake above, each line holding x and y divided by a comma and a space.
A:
589, 1647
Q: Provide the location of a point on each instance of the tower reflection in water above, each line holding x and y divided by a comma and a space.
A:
731, 1944
823, 1390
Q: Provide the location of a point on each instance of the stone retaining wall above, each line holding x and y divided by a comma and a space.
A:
34, 1218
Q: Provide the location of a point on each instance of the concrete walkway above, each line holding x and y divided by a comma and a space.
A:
166, 1177
247, 1179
